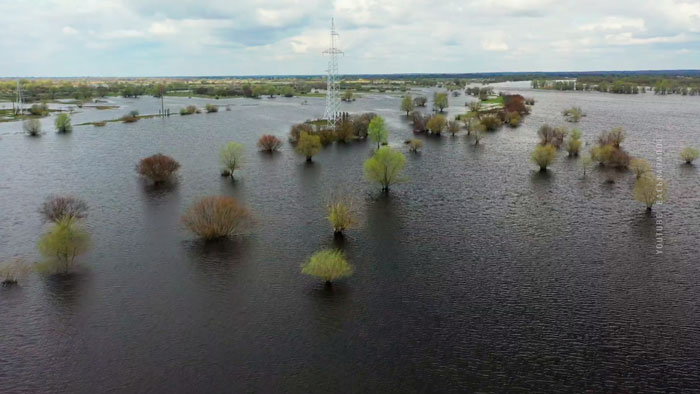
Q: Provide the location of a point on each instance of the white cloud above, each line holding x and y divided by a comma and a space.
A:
123, 37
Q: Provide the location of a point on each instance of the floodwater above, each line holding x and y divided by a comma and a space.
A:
478, 274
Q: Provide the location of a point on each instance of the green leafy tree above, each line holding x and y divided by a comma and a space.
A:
231, 157
385, 167
63, 123
407, 104
308, 145
440, 101
327, 264
377, 131
436, 124
544, 155
64, 242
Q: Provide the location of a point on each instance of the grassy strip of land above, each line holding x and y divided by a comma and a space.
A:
103, 122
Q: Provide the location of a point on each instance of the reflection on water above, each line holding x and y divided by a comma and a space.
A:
478, 274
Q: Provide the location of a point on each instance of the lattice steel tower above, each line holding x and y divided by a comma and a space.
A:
332, 97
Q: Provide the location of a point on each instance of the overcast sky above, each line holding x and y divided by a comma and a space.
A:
235, 37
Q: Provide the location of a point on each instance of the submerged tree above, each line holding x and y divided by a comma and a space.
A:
308, 145
420, 101
407, 104
63, 123
158, 168
453, 127
377, 131
216, 217
342, 214
573, 142
231, 157
543, 156
689, 155
440, 101
384, 167
639, 167
32, 127
57, 208
414, 145
436, 124
649, 189
327, 264
62, 244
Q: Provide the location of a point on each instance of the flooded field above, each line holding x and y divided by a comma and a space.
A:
478, 274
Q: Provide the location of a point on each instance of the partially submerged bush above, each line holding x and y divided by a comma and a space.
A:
640, 167
420, 122
552, 135
297, 129
231, 157
689, 155
543, 156
414, 145
308, 145
513, 119
573, 114
62, 244
384, 167
648, 189
211, 108
342, 214
377, 131
32, 127
216, 217
328, 265
610, 156
613, 137
13, 270
158, 168
573, 142
63, 123
56, 208
269, 143
491, 122
189, 110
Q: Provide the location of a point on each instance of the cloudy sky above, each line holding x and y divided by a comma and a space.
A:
235, 37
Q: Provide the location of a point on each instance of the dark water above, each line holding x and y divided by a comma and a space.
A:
477, 275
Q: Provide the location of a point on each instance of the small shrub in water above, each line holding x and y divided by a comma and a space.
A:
231, 157
414, 145
13, 270
158, 168
341, 214
543, 156
269, 143
216, 217
384, 167
689, 155
328, 265
650, 190
32, 127
63, 124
